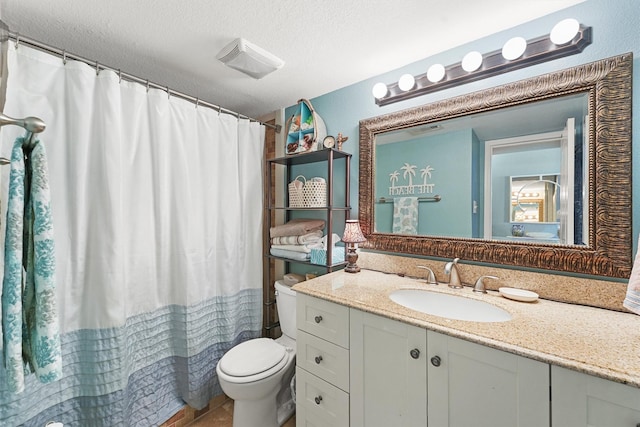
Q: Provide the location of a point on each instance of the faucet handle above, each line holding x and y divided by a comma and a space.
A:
479, 286
431, 279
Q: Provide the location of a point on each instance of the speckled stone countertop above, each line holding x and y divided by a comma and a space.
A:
595, 341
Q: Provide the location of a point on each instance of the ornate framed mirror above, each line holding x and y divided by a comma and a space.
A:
602, 242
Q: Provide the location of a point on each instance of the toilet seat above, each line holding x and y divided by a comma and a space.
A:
253, 360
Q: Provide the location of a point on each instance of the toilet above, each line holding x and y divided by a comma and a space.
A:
257, 374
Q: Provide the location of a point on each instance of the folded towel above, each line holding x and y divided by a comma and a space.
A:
299, 256
304, 239
632, 299
405, 215
292, 248
29, 318
297, 227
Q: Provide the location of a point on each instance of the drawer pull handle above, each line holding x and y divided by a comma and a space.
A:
415, 353
318, 399
318, 359
435, 361
318, 319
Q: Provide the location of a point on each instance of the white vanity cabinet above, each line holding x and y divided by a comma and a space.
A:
580, 400
322, 363
388, 372
360, 369
474, 385
403, 375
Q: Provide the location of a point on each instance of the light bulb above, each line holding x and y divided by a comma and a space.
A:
406, 82
564, 31
379, 90
514, 48
472, 61
435, 73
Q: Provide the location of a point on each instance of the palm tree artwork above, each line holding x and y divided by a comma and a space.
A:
393, 177
426, 173
410, 171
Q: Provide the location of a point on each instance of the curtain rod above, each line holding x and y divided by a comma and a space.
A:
18, 39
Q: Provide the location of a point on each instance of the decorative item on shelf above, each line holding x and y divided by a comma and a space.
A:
351, 237
517, 230
329, 142
305, 129
341, 139
315, 193
296, 192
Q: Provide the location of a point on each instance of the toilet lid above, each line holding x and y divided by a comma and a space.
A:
252, 357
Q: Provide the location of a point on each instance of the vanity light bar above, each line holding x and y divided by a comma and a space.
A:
537, 50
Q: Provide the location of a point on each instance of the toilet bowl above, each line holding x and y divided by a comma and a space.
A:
257, 373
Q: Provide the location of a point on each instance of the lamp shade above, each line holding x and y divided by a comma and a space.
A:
352, 232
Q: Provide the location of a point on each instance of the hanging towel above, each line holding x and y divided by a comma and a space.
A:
405, 215
632, 300
29, 318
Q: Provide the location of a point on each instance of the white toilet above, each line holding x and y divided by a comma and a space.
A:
257, 373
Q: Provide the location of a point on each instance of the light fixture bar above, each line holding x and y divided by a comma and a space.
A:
538, 50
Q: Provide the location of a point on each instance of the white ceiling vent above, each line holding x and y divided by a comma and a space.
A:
250, 59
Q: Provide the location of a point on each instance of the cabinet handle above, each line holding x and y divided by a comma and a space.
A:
318, 359
415, 353
318, 399
318, 319
435, 361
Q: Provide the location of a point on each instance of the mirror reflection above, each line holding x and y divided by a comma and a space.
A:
476, 176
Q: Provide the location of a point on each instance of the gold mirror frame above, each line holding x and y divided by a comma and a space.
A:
609, 250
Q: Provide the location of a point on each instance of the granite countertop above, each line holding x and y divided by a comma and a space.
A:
595, 341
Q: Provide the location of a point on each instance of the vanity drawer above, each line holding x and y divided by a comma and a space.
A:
324, 319
319, 403
323, 359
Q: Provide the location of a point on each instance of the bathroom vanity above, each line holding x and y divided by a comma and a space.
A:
364, 360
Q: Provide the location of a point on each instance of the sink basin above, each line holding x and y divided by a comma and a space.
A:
449, 306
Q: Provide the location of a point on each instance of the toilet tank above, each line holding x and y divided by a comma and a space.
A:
286, 302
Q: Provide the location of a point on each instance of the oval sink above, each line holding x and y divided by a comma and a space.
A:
449, 306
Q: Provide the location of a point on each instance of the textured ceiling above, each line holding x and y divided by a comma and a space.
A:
326, 45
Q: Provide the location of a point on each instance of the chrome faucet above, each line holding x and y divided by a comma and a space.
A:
451, 270
479, 287
431, 279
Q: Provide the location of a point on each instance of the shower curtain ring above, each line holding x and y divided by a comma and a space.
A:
168, 93
147, 85
17, 41
119, 75
197, 102
64, 57
97, 68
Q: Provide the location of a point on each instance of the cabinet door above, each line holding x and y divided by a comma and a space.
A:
388, 385
474, 385
583, 400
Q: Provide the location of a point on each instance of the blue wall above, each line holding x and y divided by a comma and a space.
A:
450, 156
615, 31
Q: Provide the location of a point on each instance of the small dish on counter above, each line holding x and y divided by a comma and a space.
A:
518, 294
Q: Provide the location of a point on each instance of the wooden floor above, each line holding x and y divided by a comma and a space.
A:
222, 416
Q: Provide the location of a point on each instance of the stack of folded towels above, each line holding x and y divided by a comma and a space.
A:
296, 238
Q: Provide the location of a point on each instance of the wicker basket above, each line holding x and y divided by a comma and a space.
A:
296, 192
315, 193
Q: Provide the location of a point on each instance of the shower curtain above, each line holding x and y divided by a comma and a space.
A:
157, 209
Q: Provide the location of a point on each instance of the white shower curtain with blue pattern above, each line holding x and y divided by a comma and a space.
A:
157, 211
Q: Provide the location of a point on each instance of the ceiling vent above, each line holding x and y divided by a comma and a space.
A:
248, 58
